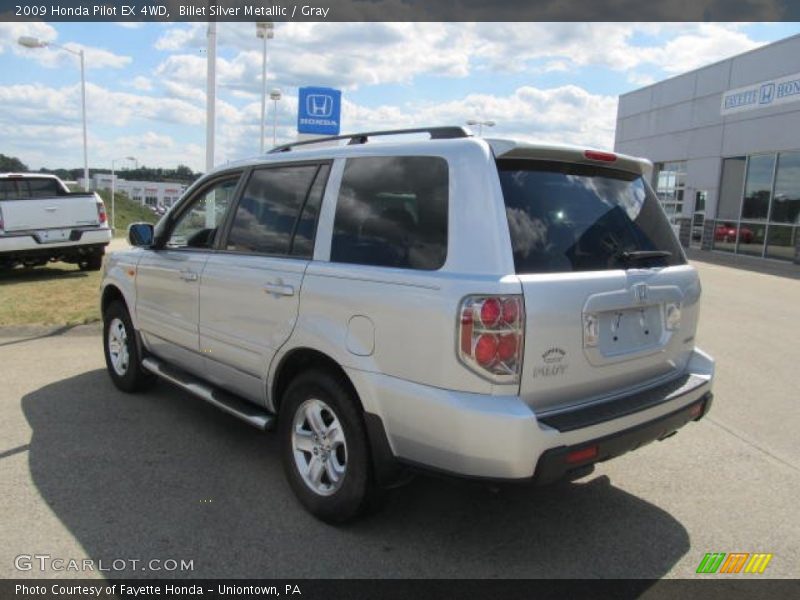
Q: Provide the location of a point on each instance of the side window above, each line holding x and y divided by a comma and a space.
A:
303, 242
43, 187
267, 213
8, 189
198, 224
392, 212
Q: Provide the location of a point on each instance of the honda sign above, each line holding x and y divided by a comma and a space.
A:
319, 110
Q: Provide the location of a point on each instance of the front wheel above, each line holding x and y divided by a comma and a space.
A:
123, 361
324, 447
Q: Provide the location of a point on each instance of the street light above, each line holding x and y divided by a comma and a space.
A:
113, 186
265, 31
480, 125
32, 42
211, 98
274, 95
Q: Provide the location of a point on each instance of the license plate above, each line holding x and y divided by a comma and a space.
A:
49, 236
630, 330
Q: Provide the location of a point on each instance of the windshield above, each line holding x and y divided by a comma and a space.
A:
569, 217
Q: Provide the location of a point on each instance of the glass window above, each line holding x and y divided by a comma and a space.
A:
29, 187
392, 211
731, 186
758, 189
8, 189
725, 236
198, 224
786, 203
303, 242
781, 240
567, 217
266, 215
44, 187
670, 184
751, 238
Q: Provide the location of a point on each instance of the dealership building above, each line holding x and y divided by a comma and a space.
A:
725, 143
155, 194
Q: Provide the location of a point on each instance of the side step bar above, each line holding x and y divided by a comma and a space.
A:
233, 405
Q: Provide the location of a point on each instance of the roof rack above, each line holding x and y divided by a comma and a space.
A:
436, 133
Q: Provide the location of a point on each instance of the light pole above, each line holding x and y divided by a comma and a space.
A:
480, 125
265, 31
211, 92
274, 95
32, 42
113, 186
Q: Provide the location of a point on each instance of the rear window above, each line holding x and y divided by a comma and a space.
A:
567, 217
29, 187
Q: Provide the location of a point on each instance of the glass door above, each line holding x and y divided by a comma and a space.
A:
698, 219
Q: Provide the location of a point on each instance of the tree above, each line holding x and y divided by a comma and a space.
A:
12, 164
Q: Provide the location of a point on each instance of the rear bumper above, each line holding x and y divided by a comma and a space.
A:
27, 245
559, 463
500, 437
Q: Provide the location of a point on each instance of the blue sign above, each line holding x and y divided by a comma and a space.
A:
319, 110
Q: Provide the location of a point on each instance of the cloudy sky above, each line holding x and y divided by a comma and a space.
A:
146, 82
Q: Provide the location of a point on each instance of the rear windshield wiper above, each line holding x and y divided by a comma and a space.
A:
635, 255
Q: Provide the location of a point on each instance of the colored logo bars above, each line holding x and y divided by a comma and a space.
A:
736, 562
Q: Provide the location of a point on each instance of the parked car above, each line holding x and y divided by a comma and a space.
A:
726, 232
41, 221
485, 308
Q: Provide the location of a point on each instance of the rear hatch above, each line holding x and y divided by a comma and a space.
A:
610, 302
31, 203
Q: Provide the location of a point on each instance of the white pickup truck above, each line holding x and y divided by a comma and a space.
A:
41, 221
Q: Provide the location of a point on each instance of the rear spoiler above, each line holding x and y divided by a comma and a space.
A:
588, 156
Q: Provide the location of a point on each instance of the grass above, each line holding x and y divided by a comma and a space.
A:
57, 294
127, 211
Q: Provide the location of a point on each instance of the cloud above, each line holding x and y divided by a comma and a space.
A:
641, 79
51, 57
709, 43
351, 56
565, 114
348, 55
354, 55
43, 124
142, 83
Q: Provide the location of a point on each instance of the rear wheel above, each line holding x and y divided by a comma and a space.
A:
123, 359
324, 446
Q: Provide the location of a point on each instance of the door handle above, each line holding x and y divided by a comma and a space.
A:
279, 289
188, 275
51, 208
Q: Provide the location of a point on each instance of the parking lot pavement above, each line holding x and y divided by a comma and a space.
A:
89, 472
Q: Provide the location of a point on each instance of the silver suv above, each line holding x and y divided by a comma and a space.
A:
486, 308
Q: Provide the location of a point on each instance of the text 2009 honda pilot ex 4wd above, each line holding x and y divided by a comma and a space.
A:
487, 308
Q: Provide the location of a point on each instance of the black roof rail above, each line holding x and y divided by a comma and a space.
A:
436, 133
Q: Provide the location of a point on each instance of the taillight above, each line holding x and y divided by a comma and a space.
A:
588, 453
491, 336
601, 156
101, 212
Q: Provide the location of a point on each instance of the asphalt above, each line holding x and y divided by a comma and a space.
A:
90, 473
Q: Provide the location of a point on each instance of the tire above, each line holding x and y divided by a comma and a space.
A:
123, 360
93, 263
340, 486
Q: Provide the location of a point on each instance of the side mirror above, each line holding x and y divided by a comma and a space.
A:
141, 234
